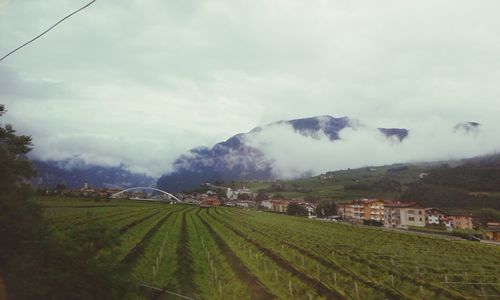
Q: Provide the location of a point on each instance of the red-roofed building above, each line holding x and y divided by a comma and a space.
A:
210, 202
280, 205
362, 211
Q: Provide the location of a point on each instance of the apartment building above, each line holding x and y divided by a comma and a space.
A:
403, 214
362, 211
374, 210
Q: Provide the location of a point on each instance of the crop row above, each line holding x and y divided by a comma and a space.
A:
226, 253
327, 244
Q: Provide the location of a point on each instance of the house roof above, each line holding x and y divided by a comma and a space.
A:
404, 204
461, 215
280, 201
436, 209
368, 201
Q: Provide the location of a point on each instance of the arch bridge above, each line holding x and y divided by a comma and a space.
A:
170, 196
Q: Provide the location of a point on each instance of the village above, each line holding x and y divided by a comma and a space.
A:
370, 212
411, 215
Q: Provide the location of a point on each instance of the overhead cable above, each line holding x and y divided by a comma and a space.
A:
47, 30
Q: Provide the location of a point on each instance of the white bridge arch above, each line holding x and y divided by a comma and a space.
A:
115, 195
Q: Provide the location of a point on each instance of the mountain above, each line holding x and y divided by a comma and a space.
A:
489, 161
74, 174
234, 159
468, 127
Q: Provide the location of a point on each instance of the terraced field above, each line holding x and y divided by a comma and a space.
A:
228, 253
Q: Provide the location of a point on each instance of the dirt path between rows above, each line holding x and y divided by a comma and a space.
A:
185, 269
257, 289
129, 226
319, 286
130, 259
390, 292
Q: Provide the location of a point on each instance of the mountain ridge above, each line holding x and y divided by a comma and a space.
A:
75, 173
236, 160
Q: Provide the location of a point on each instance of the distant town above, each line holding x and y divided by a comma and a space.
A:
387, 213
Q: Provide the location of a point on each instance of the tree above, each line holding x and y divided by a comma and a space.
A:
20, 218
14, 167
294, 209
278, 196
243, 197
60, 187
261, 197
311, 199
326, 208
36, 263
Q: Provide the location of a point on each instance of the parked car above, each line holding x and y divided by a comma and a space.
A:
472, 238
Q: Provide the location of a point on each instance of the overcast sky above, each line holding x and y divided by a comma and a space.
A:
141, 81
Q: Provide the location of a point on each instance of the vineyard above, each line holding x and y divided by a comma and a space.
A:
182, 252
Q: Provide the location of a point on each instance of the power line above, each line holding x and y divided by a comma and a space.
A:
47, 30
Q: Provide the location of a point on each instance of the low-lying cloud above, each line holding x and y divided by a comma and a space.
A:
141, 82
294, 155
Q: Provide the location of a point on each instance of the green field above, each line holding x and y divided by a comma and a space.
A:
229, 253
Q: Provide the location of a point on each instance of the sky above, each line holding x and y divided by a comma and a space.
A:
139, 82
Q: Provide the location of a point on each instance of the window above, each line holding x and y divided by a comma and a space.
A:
411, 218
419, 212
411, 211
420, 219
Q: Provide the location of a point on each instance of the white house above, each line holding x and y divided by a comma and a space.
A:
434, 216
267, 204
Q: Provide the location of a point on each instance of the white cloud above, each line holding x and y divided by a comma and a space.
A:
294, 154
160, 77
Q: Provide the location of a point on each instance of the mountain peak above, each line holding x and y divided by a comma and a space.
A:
313, 126
235, 159
468, 127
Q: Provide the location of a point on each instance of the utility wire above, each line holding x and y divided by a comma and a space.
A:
50, 28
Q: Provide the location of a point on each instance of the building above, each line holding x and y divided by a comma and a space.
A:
243, 193
210, 202
358, 211
327, 176
275, 205
423, 174
344, 210
221, 190
190, 200
267, 204
280, 205
311, 208
493, 231
244, 203
403, 214
434, 216
365, 211
373, 211
461, 221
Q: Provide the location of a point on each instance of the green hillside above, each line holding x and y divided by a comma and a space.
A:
470, 184
382, 181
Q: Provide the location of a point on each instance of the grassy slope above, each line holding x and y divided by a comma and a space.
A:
334, 188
